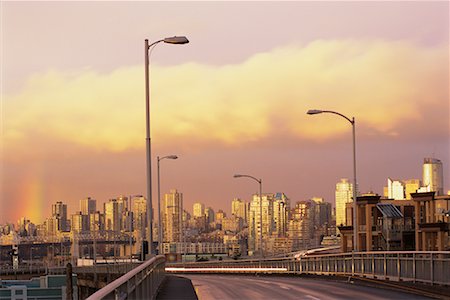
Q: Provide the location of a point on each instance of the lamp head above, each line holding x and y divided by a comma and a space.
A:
172, 157
314, 111
176, 40
237, 175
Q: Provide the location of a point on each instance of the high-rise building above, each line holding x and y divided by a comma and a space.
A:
80, 222
172, 216
123, 212
96, 222
51, 226
59, 212
254, 221
112, 216
433, 177
198, 210
301, 225
88, 206
210, 215
123, 203
139, 210
323, 211
323, 225
343, 195
280, 214
238, 208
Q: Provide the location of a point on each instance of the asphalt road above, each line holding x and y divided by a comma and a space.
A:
221, 287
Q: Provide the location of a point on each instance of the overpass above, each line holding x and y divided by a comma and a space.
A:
431, 269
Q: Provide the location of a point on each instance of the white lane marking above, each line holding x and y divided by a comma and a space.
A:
284, 287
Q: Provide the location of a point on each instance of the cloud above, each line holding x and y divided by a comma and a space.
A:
382, 83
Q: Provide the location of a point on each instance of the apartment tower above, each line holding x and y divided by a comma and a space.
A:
343, 195
433, 178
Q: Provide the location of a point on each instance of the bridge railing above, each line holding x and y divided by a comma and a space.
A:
140, 283
414, 266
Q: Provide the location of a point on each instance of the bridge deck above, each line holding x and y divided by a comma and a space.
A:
177, 287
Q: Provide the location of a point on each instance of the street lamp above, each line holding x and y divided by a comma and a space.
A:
352, 121
260, 208
147, 47
159, 202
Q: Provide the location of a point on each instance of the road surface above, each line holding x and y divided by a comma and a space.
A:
221, 287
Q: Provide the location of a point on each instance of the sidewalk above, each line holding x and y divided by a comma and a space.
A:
176, 287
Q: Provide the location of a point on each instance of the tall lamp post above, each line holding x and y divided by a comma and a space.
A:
260, 208
352, 121
147, 47
159, 201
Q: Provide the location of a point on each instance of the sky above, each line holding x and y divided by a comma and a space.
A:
233, 100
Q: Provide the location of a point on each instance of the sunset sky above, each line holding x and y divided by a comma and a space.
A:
233, 100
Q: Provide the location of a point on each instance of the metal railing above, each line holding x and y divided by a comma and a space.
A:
413, 266
22, 270
140, 283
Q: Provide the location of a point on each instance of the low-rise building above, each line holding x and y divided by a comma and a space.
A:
420, 224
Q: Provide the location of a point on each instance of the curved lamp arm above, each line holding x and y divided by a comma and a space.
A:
318, 111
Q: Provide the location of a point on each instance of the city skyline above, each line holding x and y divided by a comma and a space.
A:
342, 186
234, 100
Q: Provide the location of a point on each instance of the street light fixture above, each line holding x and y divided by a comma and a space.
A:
352, 121
159, 202
170, 40
260, 208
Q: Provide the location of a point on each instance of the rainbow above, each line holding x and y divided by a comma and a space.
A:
31, 201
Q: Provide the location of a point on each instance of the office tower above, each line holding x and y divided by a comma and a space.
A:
280, 214
433, 177
112, 215
198, 210
395, 189
88, 206
172, 216
255, 227
239, 209
343, 195
139, 210
59, 212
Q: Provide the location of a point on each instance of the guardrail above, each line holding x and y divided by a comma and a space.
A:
140, 283
416, 266
23, 270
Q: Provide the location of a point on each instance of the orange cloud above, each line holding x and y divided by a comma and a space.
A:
381, 83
